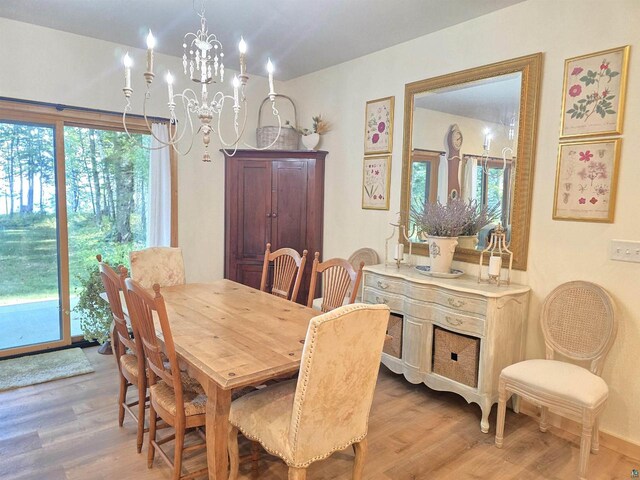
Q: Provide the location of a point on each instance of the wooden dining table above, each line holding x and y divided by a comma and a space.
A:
231, 336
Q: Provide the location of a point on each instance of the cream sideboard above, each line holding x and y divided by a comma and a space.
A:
494, 315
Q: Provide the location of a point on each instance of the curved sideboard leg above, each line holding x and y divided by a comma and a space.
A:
485, 406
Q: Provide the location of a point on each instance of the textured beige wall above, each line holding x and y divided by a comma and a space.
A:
558, 251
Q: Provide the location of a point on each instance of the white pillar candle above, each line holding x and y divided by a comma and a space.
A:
236, 84
151, 43
495, 263
398, 252
127, 70
170, 86
243, 50
270, 70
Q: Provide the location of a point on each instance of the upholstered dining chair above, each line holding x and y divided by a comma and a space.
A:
327, 407
579, 323
287, 266
161, 265
127, 351
340, 283
177, 398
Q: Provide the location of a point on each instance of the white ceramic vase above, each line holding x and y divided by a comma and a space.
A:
469, 242
441, 251
310, 141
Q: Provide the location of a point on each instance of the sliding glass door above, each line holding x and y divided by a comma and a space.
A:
107, 178
72, 185
30, 293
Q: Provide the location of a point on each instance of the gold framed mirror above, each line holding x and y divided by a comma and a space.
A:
471, 135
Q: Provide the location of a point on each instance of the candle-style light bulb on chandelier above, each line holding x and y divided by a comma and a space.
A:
203, 63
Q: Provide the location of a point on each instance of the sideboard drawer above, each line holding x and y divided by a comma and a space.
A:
383, 283
446, 298
371, 295
455, 321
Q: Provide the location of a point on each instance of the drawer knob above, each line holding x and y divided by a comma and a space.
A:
453, 321
383, 285
456, 303
381, 300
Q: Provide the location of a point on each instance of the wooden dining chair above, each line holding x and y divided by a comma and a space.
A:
338, 279
127, 351
161, 265
177, 398
326, 408
578, 322
287, 266
367, 255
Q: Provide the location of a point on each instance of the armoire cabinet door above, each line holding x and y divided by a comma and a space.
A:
289, 200
253, 226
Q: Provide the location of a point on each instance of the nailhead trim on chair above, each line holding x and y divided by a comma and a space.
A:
328, 317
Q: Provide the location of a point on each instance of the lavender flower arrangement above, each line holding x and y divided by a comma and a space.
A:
479, 216
441, 220
452, 219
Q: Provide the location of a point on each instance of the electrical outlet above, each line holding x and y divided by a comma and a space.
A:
625, 250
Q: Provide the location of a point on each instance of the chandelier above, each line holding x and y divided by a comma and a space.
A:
203, 64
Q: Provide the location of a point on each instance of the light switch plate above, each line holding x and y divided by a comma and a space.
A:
625, 250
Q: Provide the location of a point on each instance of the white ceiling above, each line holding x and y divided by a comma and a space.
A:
301, 36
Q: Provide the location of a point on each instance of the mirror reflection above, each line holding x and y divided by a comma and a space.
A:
470, 135
464, 140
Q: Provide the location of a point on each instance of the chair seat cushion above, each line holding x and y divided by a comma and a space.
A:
130, 363
559, 380
265, 416
195, 400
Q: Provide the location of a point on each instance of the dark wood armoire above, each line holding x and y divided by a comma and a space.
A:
272, 196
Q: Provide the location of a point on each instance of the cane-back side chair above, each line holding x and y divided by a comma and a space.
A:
578, 321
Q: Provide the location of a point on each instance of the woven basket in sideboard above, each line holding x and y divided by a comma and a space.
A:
456, 356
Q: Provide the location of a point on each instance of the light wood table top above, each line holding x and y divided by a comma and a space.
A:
230, 336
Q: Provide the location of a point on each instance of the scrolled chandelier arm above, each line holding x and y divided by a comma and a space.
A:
203, 64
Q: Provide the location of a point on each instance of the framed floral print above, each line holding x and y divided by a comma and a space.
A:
378, 134
375, 182
593, 93
586, 179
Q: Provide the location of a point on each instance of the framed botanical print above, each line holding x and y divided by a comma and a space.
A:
378, 133
375, 182
586, 180
593, 93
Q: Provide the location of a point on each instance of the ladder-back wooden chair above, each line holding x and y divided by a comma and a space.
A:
177, 398
326, 408
128, 351
287, 266
578, 322
340, 282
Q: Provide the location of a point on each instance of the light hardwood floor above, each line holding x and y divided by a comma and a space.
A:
68, 430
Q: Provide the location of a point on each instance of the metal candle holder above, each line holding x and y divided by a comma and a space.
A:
402, 235
496, 250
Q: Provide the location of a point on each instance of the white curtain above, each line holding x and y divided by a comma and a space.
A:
470, 181
159, 216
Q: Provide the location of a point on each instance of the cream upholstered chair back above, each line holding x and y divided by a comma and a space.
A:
578, 321
161, 265
338, 374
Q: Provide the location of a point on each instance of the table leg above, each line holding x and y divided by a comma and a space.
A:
218, 403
